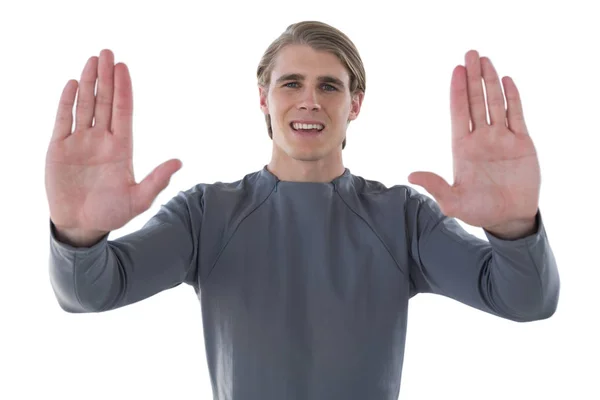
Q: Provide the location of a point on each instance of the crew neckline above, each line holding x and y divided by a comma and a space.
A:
335, 181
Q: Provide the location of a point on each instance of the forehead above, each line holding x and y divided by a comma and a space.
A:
302, 59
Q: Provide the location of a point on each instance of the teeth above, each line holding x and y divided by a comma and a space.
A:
299, 126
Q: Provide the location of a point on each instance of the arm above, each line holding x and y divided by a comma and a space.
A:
114, 273
514, 279
497, 182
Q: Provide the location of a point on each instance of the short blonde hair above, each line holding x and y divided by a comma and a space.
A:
320, 37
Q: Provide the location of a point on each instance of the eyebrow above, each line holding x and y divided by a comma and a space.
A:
300, 77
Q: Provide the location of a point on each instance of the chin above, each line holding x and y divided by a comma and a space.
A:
308, 153
302, 154
307, 157
306, 148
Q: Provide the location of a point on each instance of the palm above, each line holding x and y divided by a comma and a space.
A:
496, 170
89, 179
89, 172
497, 177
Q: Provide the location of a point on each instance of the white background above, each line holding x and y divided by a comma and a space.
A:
195, 97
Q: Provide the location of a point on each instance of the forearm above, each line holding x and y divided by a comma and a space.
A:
116, 273
82, 274
522, 279
515, 279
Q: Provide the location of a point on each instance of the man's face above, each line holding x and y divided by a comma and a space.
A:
309, 86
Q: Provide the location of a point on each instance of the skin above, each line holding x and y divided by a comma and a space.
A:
89, 177
92, 190
308, 158
496, 170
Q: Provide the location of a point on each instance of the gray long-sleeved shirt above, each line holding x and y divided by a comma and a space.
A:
304, 287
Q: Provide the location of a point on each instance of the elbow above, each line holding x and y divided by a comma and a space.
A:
549, 298
545, 306
65, 294
548, 307
69, 309
69, 303
545, 311
69, 299
84, 293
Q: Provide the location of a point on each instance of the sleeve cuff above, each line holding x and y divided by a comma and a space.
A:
526, 240
67, 247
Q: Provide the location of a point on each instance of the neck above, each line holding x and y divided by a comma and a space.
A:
286, 168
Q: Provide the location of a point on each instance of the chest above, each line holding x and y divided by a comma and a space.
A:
308, 260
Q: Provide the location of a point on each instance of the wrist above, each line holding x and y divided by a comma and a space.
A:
78, 237
512, 230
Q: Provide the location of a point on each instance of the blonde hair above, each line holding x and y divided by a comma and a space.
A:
320, 37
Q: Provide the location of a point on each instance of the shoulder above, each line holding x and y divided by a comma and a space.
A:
393, 210
226, 194
374, 189
398, 200
222, 188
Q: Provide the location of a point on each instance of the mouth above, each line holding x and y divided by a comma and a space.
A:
307, 128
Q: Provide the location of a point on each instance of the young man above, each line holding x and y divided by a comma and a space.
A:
304, 270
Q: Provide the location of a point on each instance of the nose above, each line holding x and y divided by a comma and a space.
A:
309, 101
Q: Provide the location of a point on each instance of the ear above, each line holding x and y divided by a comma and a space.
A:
357, 99
263, 93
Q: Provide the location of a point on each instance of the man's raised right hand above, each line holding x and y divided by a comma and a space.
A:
89, 177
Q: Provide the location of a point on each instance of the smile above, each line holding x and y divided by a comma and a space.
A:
307, 127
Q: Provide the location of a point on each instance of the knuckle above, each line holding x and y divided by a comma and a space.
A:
123, 109
103, 99
84, 103
496, 101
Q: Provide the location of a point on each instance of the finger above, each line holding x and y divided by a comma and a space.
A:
122, 112
437, 187
515, 117
148, 189
85, 96
63, 124
493, 89
475, 90
104, 96
459, 104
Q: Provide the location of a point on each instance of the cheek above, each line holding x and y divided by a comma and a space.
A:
339, 109
341, 115
277, 106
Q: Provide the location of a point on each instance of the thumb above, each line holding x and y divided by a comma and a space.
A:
435, 185
154, 183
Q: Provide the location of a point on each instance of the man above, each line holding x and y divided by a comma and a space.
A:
304, 271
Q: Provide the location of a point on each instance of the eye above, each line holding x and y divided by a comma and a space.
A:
330, 88
290, 83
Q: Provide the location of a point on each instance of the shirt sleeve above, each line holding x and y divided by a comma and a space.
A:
513, 279
116, 273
